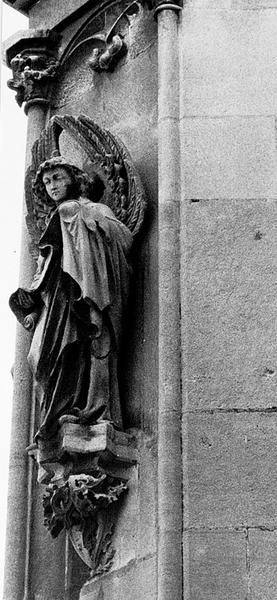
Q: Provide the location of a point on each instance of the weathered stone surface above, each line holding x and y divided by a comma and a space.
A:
253, 4
133, 572
231, 478
50, 14
215, 568
47, 557
135, 581
231, 157
230, 276
146, 542
262, 564
206, 5
114, 96
134, 536
228, 61
100, 439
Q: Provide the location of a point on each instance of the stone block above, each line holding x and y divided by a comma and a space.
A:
77, 448
228, 60
215, 566
253, 4
135, 581
102, 439
147, 497
125, 96
229, 281
231, 157
47, 560
262, 564
126, 524
49, 14
206, 5
231, 477
134, 536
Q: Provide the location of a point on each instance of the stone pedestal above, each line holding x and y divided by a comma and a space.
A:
79, 448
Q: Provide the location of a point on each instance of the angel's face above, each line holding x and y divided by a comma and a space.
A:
58, 184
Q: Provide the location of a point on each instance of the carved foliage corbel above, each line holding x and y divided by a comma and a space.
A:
82, 506
86, 470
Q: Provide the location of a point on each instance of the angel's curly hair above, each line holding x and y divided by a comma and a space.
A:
82, 185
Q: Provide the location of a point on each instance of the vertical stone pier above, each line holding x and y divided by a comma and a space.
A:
228, 281
21, 535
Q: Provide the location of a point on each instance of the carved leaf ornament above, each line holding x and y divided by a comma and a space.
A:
32, 75
80, 506
105, 155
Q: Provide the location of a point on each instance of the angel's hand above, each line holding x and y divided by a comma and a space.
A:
25, 299
40, 264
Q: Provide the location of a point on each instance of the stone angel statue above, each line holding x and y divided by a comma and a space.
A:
77, 302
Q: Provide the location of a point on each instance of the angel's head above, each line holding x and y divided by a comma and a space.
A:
58, 180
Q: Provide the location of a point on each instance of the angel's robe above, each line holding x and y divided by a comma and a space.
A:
80, 292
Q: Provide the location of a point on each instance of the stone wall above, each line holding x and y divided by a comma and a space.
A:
229, 278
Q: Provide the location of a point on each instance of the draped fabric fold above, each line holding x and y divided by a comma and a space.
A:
79, 295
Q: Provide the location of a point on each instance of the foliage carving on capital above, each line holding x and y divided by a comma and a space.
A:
32, 76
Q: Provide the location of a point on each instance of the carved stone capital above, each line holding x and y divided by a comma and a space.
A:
32, 57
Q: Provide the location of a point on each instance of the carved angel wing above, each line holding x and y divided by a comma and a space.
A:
102, 153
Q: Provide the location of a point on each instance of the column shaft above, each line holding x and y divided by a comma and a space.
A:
18, 517
169, 417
